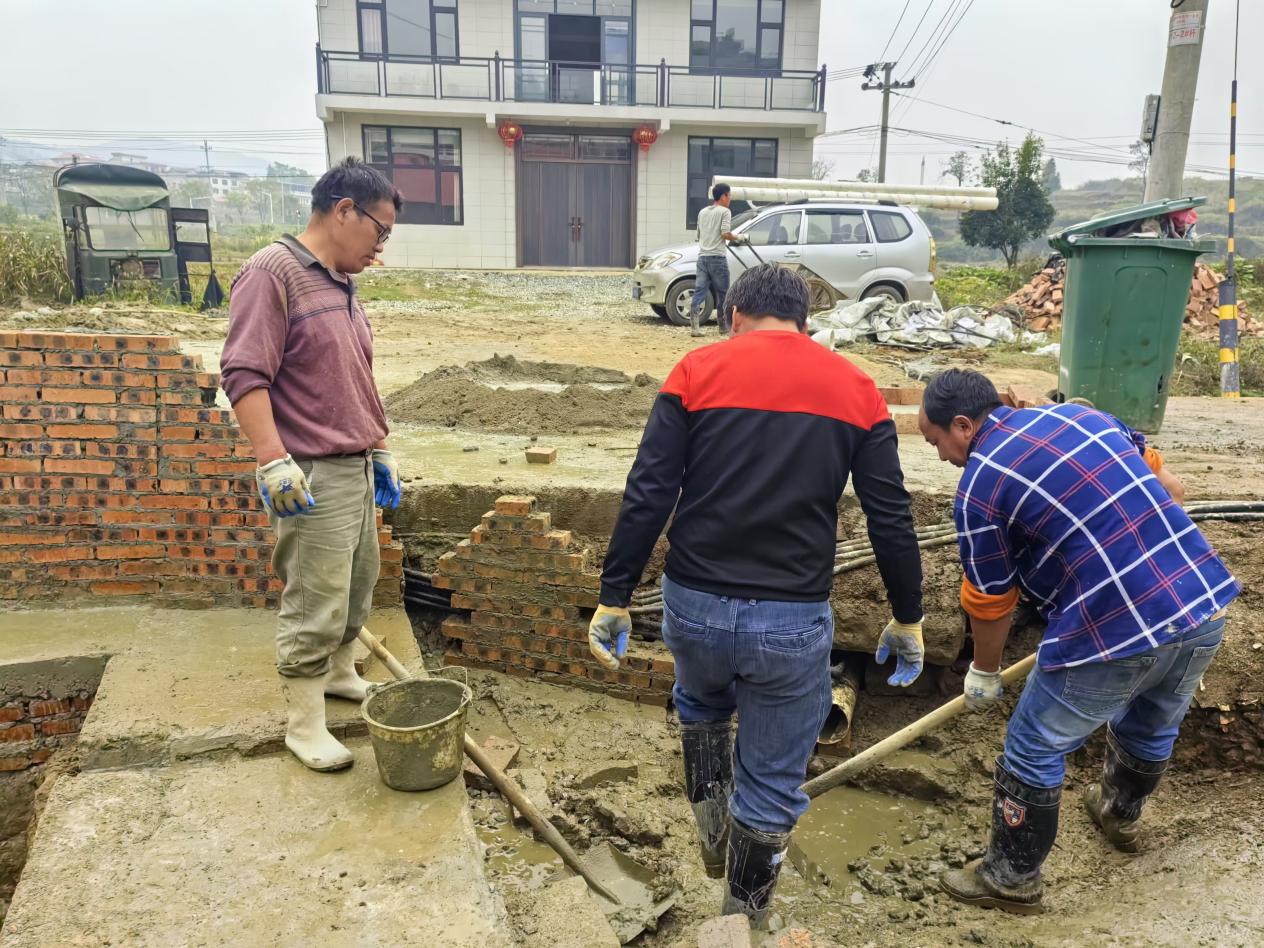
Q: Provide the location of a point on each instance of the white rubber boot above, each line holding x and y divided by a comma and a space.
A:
305, 732
342, 680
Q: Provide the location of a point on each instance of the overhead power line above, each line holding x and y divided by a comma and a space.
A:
895, 29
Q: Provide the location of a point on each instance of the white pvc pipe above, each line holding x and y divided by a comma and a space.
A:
780, 190
850, 187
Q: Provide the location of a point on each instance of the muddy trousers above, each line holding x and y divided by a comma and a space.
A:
328, 560
712, 275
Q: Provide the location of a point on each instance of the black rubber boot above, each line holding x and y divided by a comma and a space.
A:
755, 859
708, 753
1024, 825
1115, 804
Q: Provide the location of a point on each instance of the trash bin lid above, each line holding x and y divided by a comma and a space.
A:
1138, 212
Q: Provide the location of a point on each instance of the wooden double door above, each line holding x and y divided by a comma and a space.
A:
575, 199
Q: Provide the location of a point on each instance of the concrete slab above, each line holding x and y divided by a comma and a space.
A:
254, 852
178, 683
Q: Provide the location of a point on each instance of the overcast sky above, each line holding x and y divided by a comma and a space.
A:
1074, 68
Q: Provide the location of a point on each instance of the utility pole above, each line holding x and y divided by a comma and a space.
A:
210, 191
1166, 174
886, 86
922, 178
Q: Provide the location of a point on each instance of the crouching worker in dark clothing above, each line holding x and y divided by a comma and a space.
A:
752, 441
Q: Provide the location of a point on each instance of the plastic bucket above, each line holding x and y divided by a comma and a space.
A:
418, 731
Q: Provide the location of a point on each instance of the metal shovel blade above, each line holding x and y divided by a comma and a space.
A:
636, 888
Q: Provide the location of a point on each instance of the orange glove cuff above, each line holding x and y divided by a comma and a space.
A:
1153, 459
984, 606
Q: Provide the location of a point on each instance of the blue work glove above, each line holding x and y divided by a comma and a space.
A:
608, 635
905, 640
283, 487
385, 478
982, 689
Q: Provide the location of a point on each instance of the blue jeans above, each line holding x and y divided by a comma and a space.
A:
769, 662
1143, 698
712, 274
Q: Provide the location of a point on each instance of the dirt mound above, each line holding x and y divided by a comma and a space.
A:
468, 397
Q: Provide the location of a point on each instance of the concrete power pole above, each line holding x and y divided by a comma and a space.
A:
885, 86
1166, 174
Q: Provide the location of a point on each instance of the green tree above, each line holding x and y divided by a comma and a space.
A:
1140, 163
265, 195
189, 193
1023, 211
959, 166
1050, 177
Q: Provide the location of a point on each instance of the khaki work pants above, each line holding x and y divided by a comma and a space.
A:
328, 560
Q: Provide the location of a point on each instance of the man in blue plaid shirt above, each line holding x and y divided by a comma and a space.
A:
1070, 506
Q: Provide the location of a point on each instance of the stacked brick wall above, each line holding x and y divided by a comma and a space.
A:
120, 478
530, 597
33, 727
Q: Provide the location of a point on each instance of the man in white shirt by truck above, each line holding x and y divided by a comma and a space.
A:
714, 222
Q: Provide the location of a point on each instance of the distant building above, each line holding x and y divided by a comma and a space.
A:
617, 114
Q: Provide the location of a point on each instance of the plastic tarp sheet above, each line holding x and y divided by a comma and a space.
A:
120, 197
914, 324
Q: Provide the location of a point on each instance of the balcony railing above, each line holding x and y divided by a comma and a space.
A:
496, 79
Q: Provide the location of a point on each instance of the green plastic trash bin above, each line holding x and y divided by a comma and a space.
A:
1123, 308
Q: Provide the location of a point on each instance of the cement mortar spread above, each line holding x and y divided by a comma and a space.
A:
254, 852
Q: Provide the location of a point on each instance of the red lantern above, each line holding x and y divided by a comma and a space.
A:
509, 132
645, 136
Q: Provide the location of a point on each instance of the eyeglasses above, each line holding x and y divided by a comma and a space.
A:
383, 232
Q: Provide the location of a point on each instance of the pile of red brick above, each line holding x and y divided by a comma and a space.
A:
119, 477
531, 595
32, 727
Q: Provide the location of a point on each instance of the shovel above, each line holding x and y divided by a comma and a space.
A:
621, 882
924, 725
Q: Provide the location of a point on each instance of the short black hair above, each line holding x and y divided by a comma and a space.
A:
352, 178
719, 191
959, 392
770, 290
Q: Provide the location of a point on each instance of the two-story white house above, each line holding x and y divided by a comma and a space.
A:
565, 132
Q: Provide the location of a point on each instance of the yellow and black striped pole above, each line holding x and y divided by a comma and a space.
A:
1230, 383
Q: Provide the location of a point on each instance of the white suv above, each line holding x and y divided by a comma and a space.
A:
863, 249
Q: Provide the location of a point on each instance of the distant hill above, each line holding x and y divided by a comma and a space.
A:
1099, 197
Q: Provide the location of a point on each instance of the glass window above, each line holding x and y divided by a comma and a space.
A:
371, 41
889, 226
445, 35
617, 41
546, 147
408, 27
836, 227
775, 230
109, 229
192, 232
425, 164
604, 148
536, 6
736, 34
709, 157
575, 6
614, 7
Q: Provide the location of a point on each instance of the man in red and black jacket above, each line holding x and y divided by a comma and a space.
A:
752, 441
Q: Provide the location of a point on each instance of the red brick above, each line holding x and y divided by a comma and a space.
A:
61, 726
58, 466
119, 449
84, 359
175, 363
190, 397
115, 413
116, 378
125, 342
42, 412
11, 764
11, 358
121, 588
137, 396
43, 708
9, 538
82, 571
515, 505
18, 393
19, 465
83, 431
11, 713
200, 450
78, 396
151, 568
43, 448
135, 516
156, 501
177, 433
18, 431
42, 339
198, 416
42, 377
17, 732
137, 551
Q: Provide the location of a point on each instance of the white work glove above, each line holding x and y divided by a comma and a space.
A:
283, 487
982, 689
905, 640
608, 635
